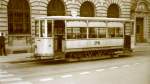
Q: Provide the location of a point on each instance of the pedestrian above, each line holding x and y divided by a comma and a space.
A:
2, 45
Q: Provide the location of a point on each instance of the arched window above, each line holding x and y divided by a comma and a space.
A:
113, 11
56, 8
87, 9
142, 7
18, 17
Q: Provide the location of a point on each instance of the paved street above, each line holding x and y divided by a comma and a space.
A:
124, 70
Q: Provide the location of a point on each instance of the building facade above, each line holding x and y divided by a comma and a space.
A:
17, 16
140, 12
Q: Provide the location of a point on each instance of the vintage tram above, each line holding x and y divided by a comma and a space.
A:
82, 38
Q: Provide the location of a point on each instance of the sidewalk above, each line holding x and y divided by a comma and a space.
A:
140, 47
25, 56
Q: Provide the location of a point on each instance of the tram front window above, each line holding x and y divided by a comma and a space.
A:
43, 28
39, 28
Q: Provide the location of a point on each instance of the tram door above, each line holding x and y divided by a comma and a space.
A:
139, 30
59, 31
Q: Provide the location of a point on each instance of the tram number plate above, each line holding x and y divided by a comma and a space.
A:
49, 45
97, 42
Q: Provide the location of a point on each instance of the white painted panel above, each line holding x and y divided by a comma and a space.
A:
115, 24
96, 24
44, 46
76, 24
93, 43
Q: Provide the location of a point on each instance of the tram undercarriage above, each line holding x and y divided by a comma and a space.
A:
87, 55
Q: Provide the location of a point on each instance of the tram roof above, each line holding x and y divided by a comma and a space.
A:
83, 18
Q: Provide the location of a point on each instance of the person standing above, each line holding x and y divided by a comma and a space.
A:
2, 45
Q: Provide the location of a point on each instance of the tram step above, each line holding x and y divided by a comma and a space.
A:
87, 58
59, 55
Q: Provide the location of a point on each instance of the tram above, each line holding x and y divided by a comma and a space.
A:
81, 38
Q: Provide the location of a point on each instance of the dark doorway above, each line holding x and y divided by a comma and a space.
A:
139, 30
18, 17
59, 31
57, 8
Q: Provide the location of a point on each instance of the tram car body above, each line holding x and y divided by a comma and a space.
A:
81, 38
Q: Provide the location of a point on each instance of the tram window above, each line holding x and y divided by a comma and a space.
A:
36, 28
92, 32
115, 32
76, 33
83, 33
42, 32
69, 33
119, 32
101, 32
111, 32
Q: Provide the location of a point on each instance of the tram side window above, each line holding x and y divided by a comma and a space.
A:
76, 33
69, 33
82, 33
115, 32
111, 32
92, 33
119, 32
36, 28
101, 32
